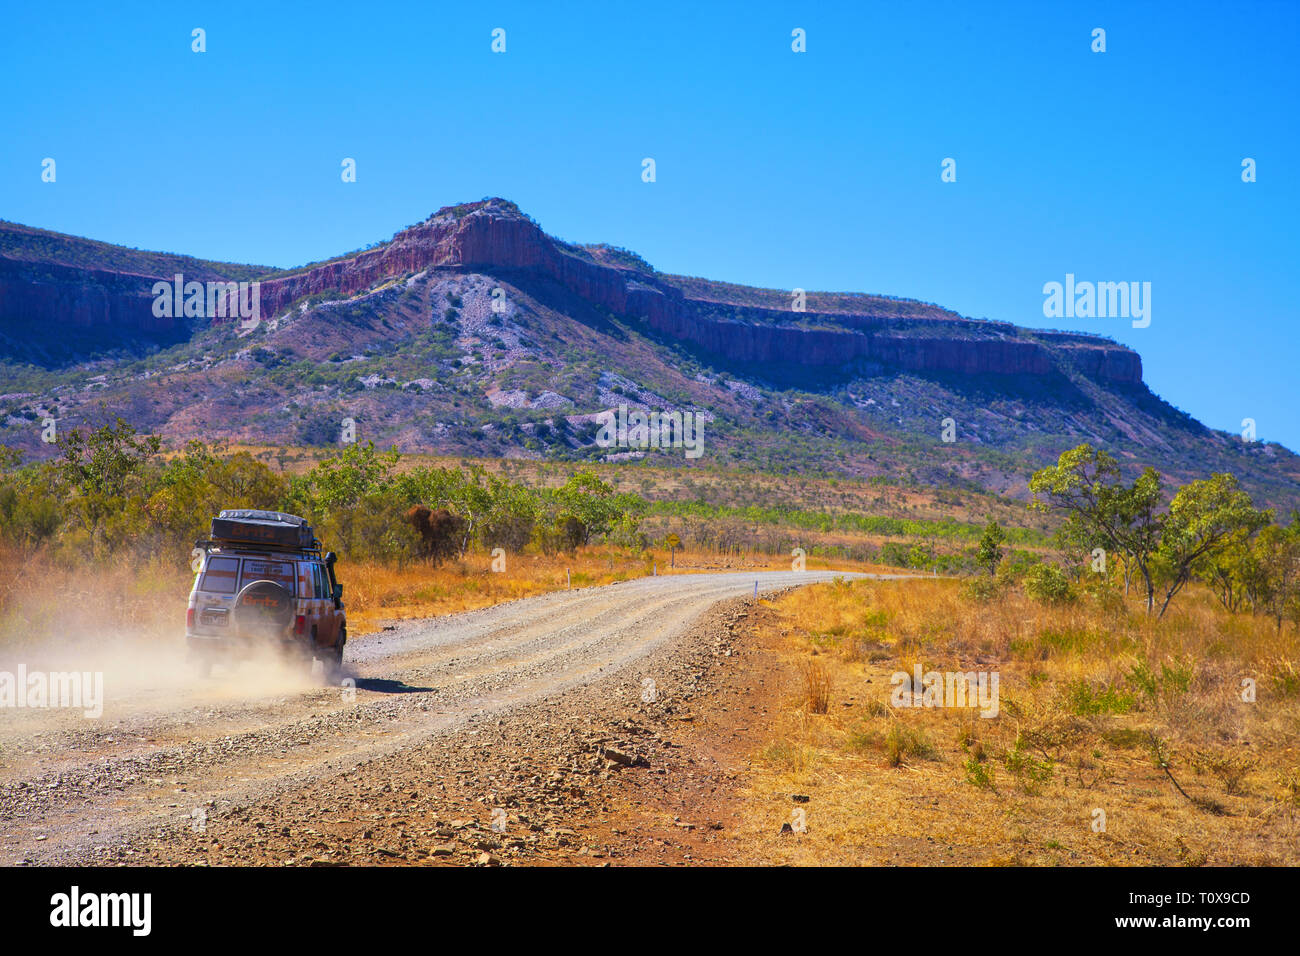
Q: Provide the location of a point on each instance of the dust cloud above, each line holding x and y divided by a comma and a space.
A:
135, 674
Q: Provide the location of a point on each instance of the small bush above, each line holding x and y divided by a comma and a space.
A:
1028, 770
1173, 681
1231, 768
1085, 700
1047, 584
979, 775
982, 590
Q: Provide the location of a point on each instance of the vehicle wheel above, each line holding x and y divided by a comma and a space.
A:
333, 661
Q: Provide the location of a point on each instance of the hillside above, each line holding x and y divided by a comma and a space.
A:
403, 338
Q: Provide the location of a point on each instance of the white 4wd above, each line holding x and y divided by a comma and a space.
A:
263, 582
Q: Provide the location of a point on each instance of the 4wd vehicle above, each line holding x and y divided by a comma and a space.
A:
263, 582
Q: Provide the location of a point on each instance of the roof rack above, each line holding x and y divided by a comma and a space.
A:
208, 544
263, 529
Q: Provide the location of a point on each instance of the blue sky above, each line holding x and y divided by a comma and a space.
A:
819, 170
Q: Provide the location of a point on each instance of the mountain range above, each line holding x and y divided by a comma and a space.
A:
475, 333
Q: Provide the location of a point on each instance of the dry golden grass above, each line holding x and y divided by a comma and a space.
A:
378, 592
816, 687
1101, 712
41, 600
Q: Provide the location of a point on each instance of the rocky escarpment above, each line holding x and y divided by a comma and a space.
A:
51, 312
54, 296
489, 235
493, 236
64, 297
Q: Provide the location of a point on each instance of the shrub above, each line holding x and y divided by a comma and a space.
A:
982, 590
1048, 584
1086, 700
1171, 682
979, 775
1028, 770
441, 533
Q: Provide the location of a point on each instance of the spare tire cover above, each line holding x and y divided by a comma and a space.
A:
263, 608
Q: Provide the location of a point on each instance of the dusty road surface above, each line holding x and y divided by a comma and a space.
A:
181, 769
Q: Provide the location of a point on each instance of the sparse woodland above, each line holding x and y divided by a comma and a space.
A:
112, 495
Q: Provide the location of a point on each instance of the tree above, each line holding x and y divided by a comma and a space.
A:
1101, 511
1231, 571
1203, 516
192, 487
1139, 527
103, 471
1276, 587
470, 498
989, 554
441, 533
590, 501
511, 517
340, 481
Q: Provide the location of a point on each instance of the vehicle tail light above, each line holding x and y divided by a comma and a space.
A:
189, 617
300, 625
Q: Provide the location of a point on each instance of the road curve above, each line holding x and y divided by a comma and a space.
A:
169, 746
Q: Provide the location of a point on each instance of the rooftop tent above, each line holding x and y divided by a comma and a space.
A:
267, 528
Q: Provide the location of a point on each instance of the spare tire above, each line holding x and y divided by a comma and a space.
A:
263, 609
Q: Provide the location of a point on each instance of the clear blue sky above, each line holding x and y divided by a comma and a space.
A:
818, 170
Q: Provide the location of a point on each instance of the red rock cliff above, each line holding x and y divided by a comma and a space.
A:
494, 235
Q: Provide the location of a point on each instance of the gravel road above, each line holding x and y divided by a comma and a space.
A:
170, 749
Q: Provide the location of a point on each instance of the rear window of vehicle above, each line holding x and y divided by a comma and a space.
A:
221, 575
310, 576
260, 569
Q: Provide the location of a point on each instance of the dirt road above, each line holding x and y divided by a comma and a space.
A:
171, 755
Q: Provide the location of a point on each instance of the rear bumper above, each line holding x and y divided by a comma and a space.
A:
243, 645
